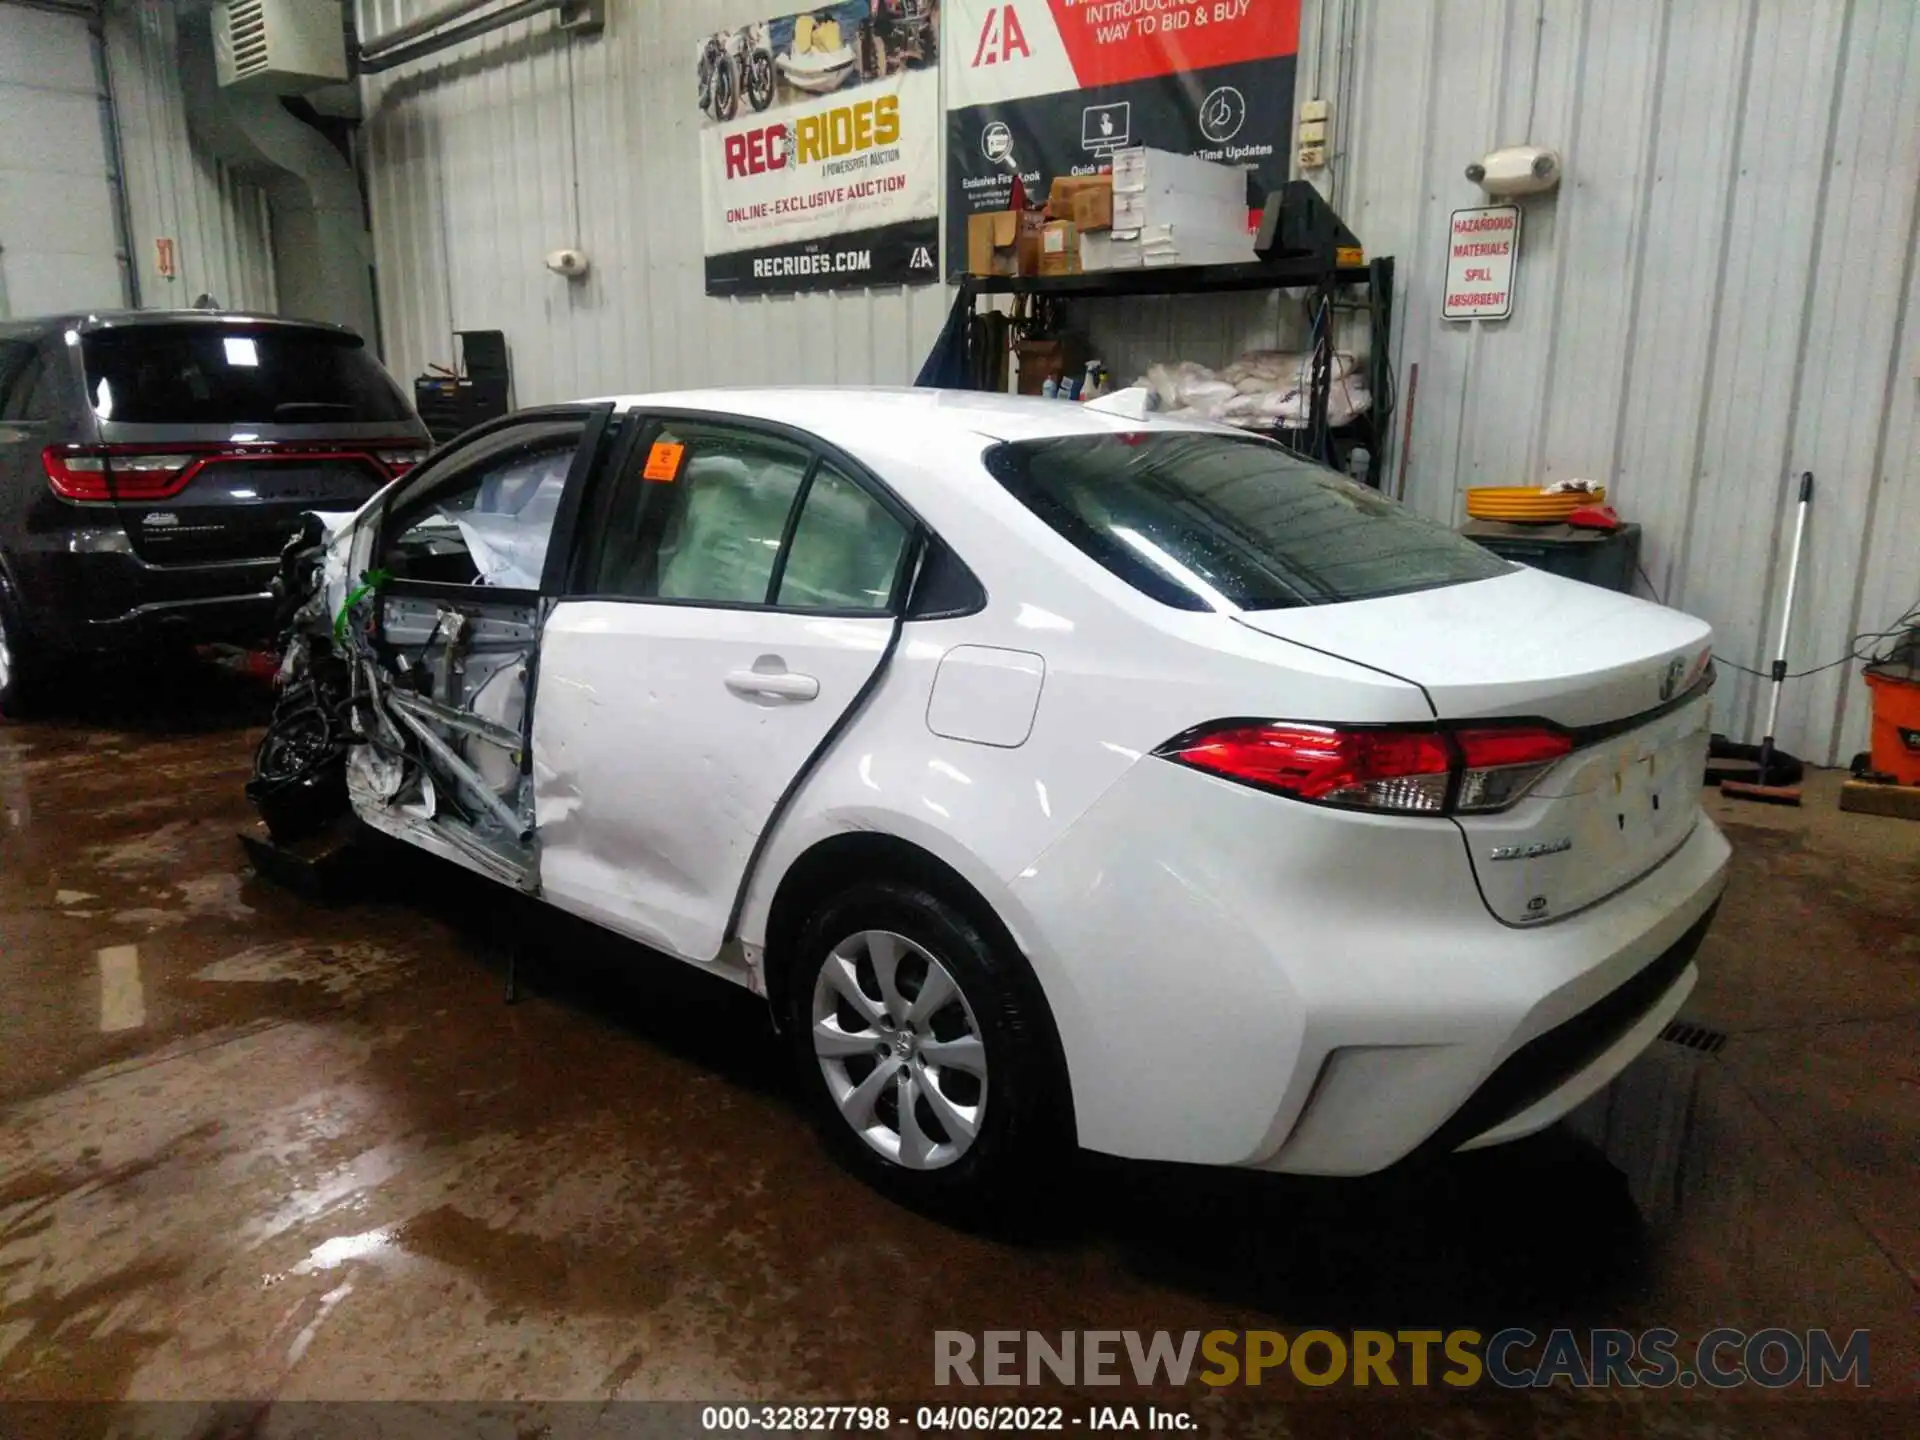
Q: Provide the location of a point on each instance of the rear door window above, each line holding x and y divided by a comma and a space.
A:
703, 518
1215, 522
846, 549
718, 514
214, 374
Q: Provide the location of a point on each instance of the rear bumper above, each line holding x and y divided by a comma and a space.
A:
242, 618
1238, 980
1549, 1075
108, 599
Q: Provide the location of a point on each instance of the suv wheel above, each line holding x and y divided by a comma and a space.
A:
922, 1044
16, 664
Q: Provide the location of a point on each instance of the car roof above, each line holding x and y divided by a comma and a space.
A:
33, 327
868, 420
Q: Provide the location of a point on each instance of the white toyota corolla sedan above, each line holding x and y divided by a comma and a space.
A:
1060, 777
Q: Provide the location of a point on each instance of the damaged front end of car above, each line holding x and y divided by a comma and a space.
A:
408, 712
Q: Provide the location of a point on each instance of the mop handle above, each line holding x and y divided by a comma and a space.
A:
1786, 608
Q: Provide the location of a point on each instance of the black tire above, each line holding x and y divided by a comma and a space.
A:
1023, 1131
20, 669
726, 89
760, 79
873, 52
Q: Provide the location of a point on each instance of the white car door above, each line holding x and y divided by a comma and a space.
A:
733, 597
450, 633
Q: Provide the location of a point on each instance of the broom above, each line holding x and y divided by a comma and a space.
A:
1776, 782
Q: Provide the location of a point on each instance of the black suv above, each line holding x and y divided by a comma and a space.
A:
154, 463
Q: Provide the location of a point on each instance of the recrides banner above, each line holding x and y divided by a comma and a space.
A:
819, 149
1054, 87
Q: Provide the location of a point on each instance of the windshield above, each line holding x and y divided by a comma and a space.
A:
1220, 522
203, 374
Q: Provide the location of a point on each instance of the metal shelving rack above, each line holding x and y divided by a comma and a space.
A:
1305, 242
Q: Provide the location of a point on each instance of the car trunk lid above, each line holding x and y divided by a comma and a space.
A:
1625, 677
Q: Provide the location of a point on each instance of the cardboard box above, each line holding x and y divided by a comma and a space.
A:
1032, 222
990, 242
1104, 250
1185, 245
1198, 255
1155, 259
1140, 169
1093, 208
1087, 200
1060, 194
1062, 356
1004, 242
1059, 248
1136, 210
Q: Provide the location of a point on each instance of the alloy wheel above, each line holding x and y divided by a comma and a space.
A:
6, 656
900, 1049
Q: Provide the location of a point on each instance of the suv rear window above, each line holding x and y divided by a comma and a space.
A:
235, 375
1207, 522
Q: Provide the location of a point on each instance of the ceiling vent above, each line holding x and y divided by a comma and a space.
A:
281, 47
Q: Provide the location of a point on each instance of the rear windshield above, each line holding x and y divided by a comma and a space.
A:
219, 375
1209, 522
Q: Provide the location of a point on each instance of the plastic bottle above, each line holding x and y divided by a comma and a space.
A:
1090, 387
1359, 463
1050, 387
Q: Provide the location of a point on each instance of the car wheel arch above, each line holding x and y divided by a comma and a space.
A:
830, 865
9, 587
13, 603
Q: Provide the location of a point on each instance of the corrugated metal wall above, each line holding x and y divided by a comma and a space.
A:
218, 223
486, 157
1719, 297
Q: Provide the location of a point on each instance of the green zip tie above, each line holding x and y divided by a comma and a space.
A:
370, 580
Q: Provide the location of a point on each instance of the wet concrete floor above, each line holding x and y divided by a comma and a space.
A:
260, 1149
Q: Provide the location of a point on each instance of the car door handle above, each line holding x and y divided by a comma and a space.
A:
780, 685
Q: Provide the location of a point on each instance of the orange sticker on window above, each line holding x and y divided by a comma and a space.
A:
663, 460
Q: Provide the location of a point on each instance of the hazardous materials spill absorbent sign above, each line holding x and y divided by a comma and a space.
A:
1483, 249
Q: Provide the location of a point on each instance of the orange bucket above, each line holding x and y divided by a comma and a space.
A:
1896, 724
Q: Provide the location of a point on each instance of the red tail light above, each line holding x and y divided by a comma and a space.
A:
1368, 769
98, 473
142, 473
1408, 771
400, 459
1500, 763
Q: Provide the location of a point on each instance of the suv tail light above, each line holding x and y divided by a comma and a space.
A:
98, 473
1401, 771
400, 459
134, 472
